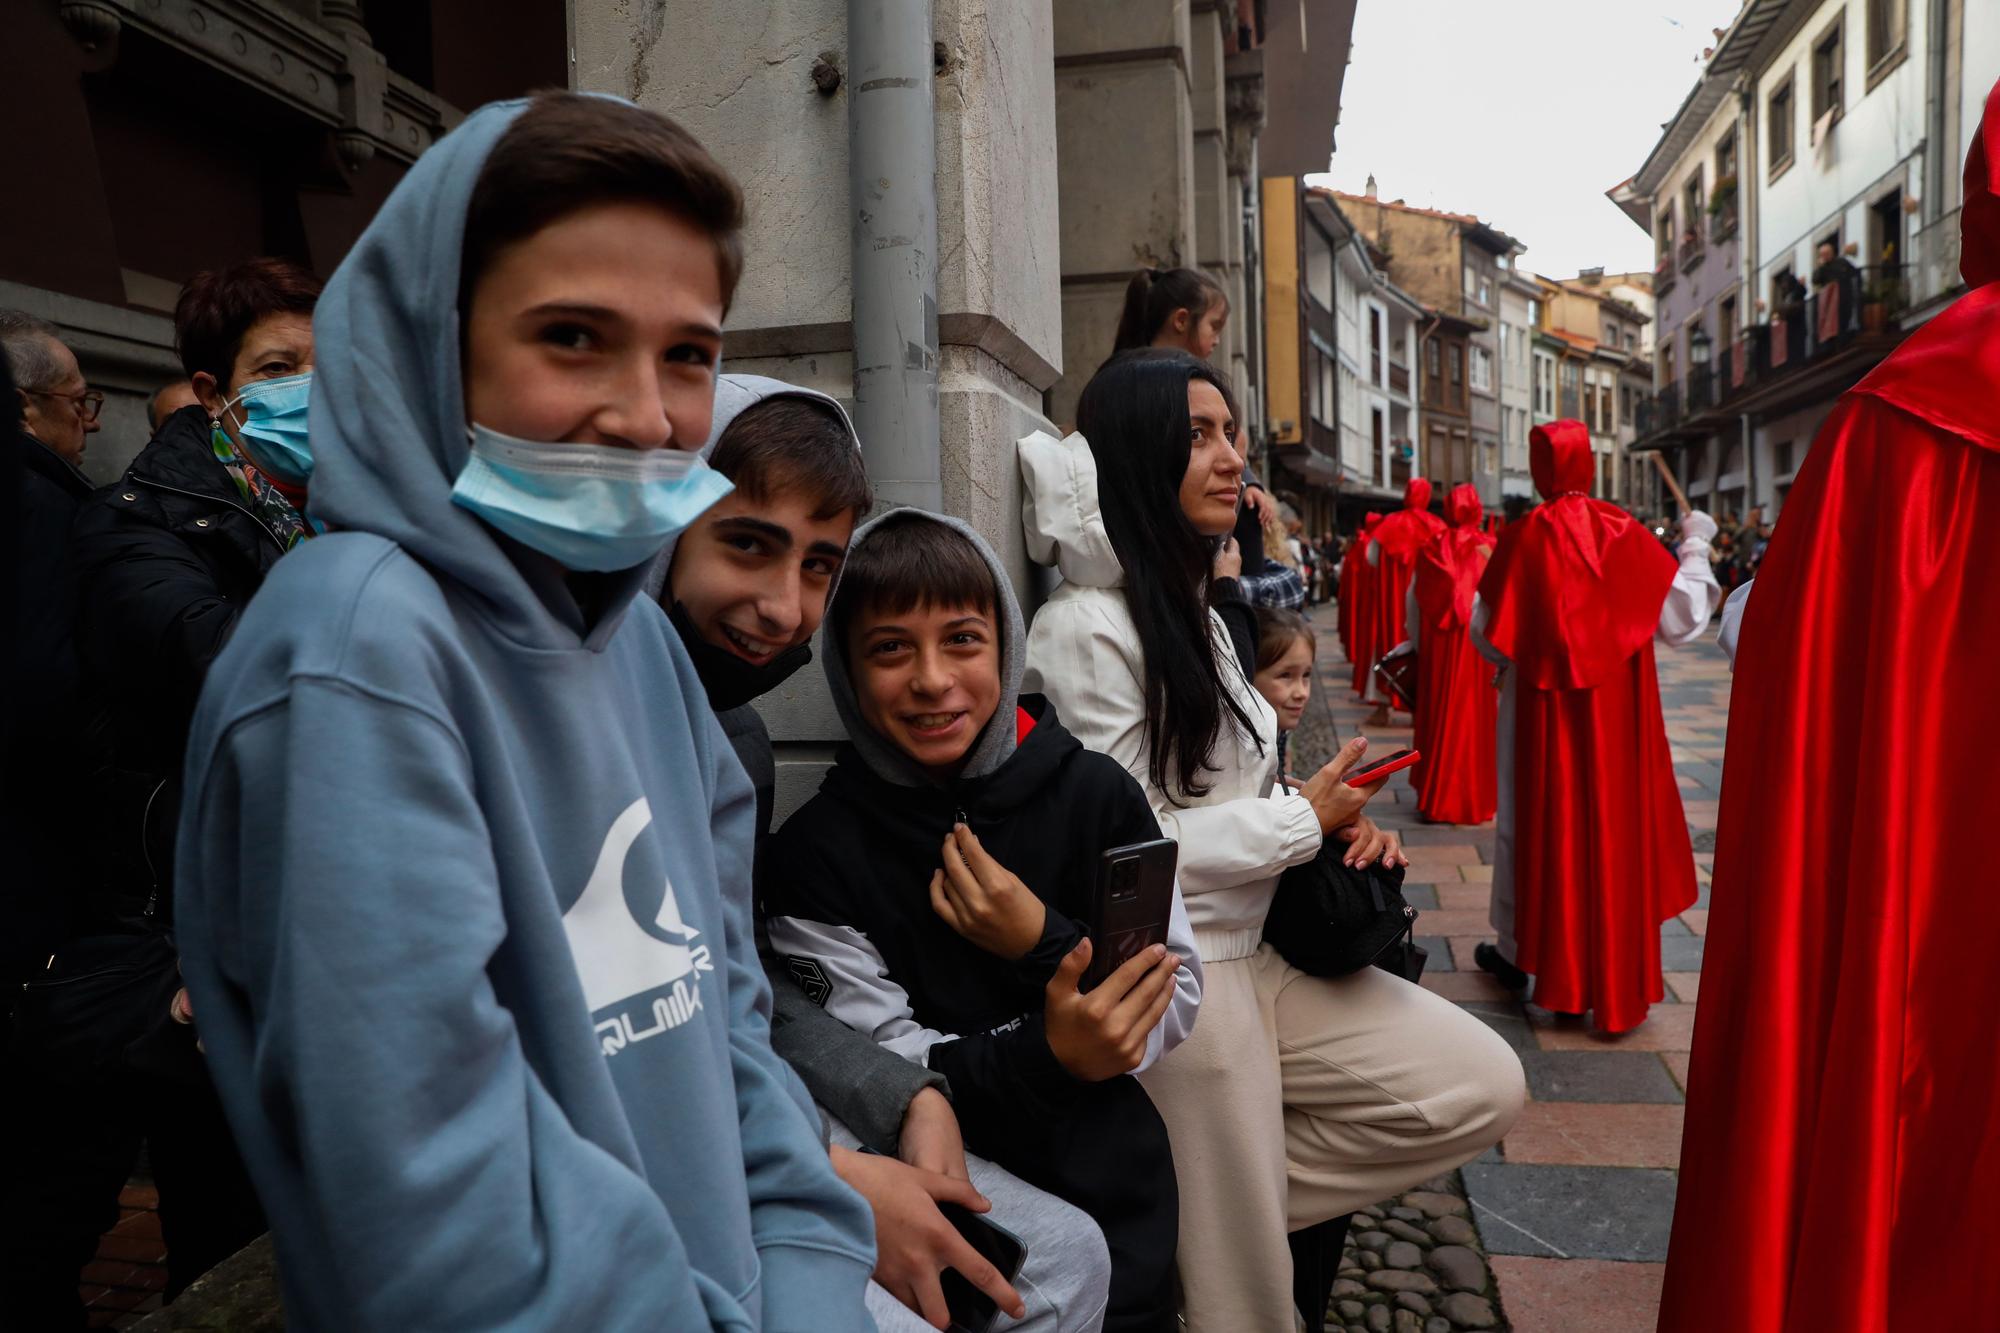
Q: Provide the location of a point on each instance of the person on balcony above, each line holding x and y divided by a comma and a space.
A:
1839, 292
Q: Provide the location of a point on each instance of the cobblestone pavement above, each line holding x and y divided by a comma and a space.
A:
1572, 1210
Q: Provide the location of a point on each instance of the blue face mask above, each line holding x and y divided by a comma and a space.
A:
272, 434
586, 506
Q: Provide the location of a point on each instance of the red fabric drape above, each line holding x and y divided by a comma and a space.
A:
1401, 536
1839, 1165
1456, 705
1601, 852
1358, 604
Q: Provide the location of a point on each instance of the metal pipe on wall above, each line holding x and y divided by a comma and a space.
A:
892, 179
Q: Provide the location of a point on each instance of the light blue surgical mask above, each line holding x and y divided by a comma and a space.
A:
586, 506
272, 433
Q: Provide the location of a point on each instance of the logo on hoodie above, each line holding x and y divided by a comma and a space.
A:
647, 978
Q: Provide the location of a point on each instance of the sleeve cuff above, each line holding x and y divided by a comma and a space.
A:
1059, 936
802, 1285
1300, 830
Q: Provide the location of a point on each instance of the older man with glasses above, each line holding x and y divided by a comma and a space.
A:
57, 408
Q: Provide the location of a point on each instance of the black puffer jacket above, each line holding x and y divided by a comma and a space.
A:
165, 561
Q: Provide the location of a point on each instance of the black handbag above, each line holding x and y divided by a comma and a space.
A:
1330, 920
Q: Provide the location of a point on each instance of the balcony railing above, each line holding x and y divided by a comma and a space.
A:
1852, 304
1692, 249
1722, 222
1663, 273
1399, 377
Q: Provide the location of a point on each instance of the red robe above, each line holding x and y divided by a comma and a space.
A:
1456, 703
1357, 605
1601, 852
1840, 1163
1401, 536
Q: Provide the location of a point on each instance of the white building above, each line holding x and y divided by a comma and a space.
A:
1517, 318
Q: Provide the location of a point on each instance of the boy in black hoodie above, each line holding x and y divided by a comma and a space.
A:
935, 891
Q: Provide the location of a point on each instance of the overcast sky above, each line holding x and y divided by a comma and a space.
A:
1522, 111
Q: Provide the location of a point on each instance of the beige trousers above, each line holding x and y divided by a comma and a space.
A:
1298, 1099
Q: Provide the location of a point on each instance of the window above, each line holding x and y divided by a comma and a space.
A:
1482, 370
1887, 26
1433, 374
1692, 203
1829, 55
1725, 156
1625, 404
1375, 344
1457, 358
1471, 283
1778, 128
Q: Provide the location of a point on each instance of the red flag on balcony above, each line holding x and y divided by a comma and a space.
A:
1739, 359
1828, 318
1780, 341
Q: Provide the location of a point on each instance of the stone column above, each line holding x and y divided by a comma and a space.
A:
768, 98
1124, 165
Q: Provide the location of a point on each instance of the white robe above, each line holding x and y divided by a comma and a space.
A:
1684, 618
1732, 620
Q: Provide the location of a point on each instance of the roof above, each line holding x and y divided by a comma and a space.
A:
1736, 51
1486, 233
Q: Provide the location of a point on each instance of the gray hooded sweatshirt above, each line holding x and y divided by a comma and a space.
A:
463, 889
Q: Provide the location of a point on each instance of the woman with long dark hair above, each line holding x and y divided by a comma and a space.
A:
1172, 307
1297, 1099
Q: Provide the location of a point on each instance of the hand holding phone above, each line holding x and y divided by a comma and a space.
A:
932, 1250
1376, 770
1133, 902
1335, 802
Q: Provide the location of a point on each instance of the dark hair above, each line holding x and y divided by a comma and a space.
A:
909, 561
1152, 297
569, 151
1277, 631
1134, 414
217, 309
792, 442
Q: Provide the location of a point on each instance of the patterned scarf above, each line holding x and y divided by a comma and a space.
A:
270, 506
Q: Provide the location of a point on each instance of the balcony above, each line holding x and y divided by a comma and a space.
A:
1571, 405
1722, 219
1821, 345
1663, 273
1399, 378
1692, 250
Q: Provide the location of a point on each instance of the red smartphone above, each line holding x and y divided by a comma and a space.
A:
1135, 897
1375, 771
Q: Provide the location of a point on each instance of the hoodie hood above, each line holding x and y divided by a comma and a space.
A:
1417, 494
1559, 459
388, 423
1462, 508
1979, 219
729, 681
1060, 513
997, 740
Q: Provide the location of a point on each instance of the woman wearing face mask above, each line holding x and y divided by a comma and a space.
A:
1297, 1099
465, 870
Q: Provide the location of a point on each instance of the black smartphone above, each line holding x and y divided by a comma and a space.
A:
1135, 896
972, 1310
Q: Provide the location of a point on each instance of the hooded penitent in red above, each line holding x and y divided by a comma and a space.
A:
1401, 536
1358, 583
1840, 1166
1456, 701
1601, 854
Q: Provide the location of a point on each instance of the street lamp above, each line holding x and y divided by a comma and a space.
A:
1699, 348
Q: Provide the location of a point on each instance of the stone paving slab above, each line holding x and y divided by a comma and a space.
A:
1579, 1295
1598, 1076
1572, 1212
1595, 1134
1669, 1027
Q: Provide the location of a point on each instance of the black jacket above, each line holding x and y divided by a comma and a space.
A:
166, 560
854, 864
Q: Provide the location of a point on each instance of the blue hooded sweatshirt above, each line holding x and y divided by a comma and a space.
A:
464, 895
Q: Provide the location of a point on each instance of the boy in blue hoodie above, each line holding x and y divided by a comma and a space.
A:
464, 858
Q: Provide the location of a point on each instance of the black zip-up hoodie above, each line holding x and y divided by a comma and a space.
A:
845, 888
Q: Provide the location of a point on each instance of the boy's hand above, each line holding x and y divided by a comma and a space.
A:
931, 1138
1103, 1034
914, 1242
1369, 840
984, 901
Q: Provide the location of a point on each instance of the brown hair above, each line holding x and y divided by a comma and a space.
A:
569, 151
909, 561
1152, 297
794, 443
218, 308
1277, 631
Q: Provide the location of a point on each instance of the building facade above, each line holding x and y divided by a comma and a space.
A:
1803, 202
148, 142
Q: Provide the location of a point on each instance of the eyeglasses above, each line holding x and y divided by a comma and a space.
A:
87, 402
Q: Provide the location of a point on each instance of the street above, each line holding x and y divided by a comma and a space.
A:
1574, 1207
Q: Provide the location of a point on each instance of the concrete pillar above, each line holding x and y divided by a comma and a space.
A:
745, 88
1127, 194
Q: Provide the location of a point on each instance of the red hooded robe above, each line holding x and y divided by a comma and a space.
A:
1357, 604
1840, 1163
1456, 702
1601, 853
1401, 535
